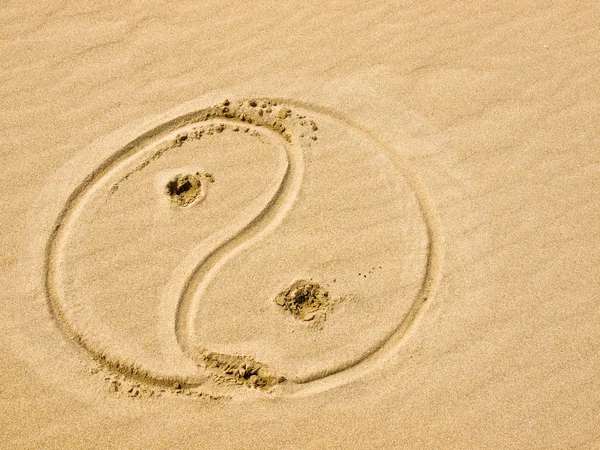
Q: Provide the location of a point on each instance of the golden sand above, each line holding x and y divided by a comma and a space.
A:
316, 225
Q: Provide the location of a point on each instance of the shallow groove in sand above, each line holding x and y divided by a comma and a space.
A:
297, 133
268, 218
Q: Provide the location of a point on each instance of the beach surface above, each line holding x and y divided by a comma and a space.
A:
300, 225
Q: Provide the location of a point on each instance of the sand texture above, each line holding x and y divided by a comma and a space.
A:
300, 225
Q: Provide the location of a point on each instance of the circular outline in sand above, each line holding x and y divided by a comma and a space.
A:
319, 382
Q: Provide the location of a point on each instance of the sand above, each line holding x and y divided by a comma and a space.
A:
283, 225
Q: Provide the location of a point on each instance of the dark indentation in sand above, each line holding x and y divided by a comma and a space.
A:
306, 301
186, 189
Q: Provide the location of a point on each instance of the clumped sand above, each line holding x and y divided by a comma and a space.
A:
312, 225
186, 189
306, 301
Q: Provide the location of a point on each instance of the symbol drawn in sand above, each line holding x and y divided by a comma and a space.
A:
179, 358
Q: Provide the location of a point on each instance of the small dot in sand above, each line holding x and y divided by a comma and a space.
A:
186, 189
305, 300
